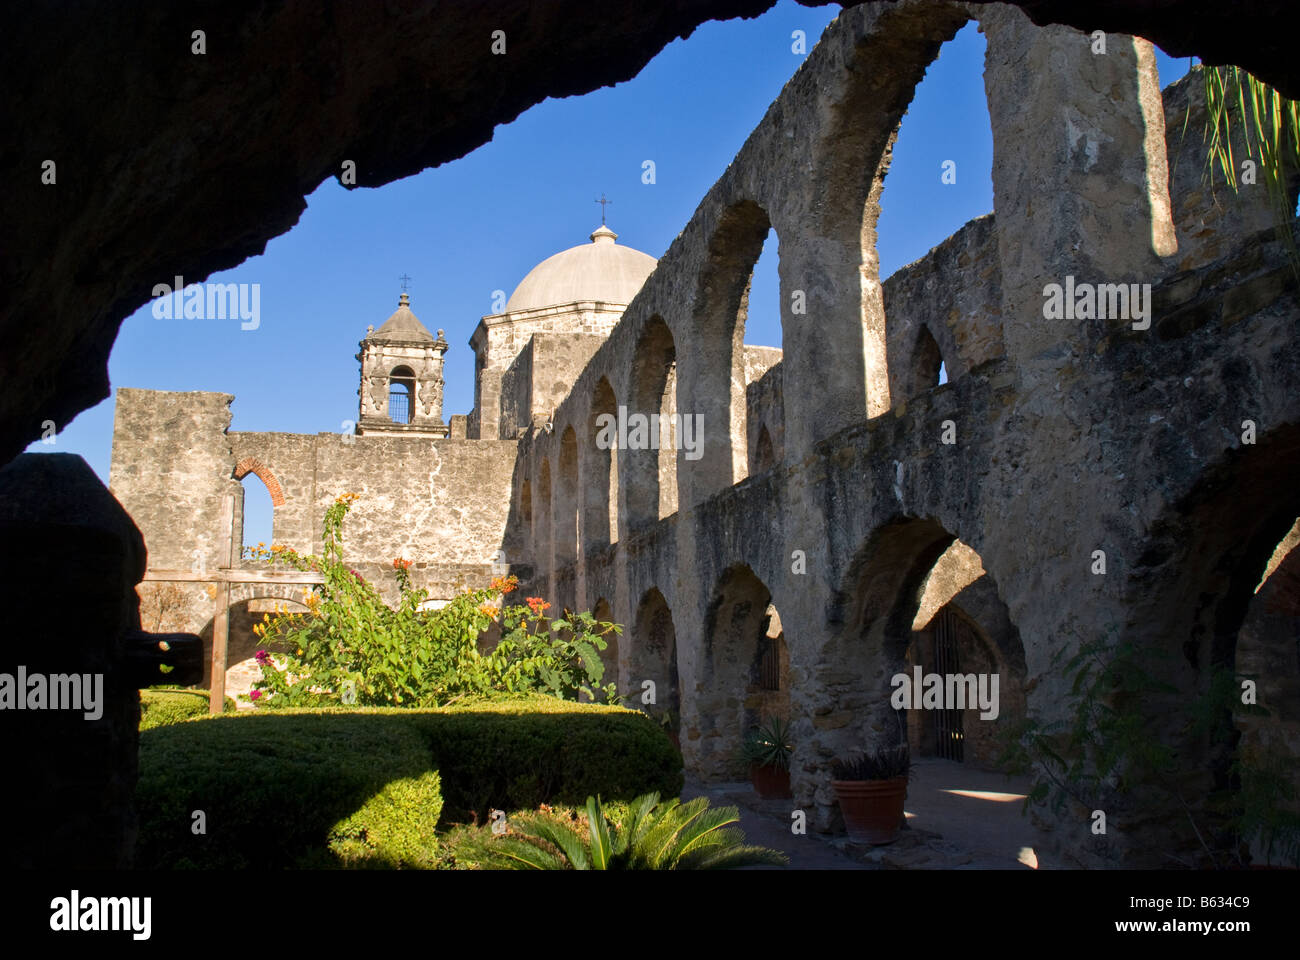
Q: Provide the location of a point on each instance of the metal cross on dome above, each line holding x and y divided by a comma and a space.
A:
405, 280
602, 201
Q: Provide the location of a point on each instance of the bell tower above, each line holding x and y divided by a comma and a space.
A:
401, 378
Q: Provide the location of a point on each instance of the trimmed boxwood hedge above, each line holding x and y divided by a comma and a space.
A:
159, 707
365, 786
280, 791
514, 755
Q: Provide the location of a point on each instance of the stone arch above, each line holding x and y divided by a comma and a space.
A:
1268, 653
742, 630
652, 655
566, 497
836, 370
255, 466
649, 482
600, 470
713, 373
960, 611
248, 603
927, 359
881, 593
1189, 596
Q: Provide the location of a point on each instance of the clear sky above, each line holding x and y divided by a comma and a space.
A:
477, 225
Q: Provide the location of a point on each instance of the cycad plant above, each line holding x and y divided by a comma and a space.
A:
655, 836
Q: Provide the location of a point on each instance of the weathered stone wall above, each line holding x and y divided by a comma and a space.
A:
763, 408
171, 468
765, 421
953, 295
540, 377
498, 342
440, 503
1210, 217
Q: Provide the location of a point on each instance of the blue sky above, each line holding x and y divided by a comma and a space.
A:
479, 224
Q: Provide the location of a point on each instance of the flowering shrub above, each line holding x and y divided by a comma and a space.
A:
352, 647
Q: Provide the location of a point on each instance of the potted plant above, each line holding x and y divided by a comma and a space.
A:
766, 749
871, 789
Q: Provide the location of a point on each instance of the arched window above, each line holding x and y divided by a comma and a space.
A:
401, 394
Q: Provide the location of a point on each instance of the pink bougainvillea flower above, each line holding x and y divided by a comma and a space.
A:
256, 694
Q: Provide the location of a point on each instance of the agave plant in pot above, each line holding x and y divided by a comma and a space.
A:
766, 749
871, 789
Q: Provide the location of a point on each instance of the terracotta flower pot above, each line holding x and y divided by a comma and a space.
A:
873, 809
770, 781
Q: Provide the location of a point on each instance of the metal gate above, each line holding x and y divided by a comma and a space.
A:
948, 732
399, 403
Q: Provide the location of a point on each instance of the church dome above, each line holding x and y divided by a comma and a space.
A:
600, 270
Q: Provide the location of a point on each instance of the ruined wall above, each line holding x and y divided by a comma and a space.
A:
954, 294
765, 420
171, 468
440, 503
436, 502
1071, 436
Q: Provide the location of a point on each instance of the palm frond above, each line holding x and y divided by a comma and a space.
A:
602, 848
563, 837
740, 855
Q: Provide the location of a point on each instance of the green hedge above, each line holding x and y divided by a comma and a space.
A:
365, 787
516, 754
159, 707
280, 791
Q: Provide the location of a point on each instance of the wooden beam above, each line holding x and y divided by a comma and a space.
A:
234, 575
221, 616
